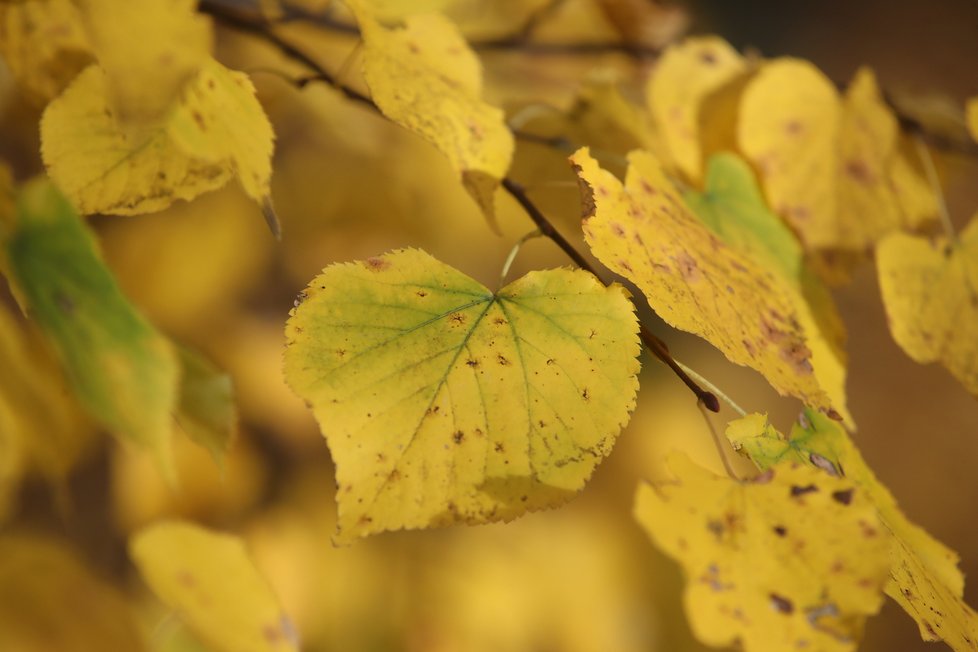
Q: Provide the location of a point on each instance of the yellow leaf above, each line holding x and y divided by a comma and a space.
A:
443, 402
425, 78
732, 206
646, 232
685, 76
217, 129
44, 45
211, 581
149, 51
930, 291
924, 577
831, 167
791, 560
205, 410
972, 117
50, 601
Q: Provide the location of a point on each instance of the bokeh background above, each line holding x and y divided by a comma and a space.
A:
347, 185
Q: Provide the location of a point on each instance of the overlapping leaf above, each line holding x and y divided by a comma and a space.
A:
205, 408
644, 231
424, 77
732, 206
211, 581
443, 402
120, 367
793, 559
685, 76
930, 291
831, 167
924, 577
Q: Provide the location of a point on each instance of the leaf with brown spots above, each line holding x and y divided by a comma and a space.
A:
209, 579
684, 78
924, 576
215, 131
779, 562
930, 291
645, 231
830, 166
424, 77
460, 405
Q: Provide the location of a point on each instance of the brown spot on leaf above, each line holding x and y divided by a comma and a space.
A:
859, 171
499, 321
794, 127
801, 491
502, 360
199, 119
708, 57
823, 463
585, 395
688, 267
421, 293
457, 318
781, 604
458, 437
780, 530
499, 448
843, 496
472, 362
377, 264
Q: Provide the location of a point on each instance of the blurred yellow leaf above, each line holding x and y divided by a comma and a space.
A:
205, 407
443, 402
924, 577
44, 44
972, 117
211, 581
149, 50
685, 76
50, 601
930, 291
831, 167
792, 559
425, 78
217, 129
645, 231
120, 367
733, 207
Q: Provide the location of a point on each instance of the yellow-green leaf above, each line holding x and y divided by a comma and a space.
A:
209, 579
206, 404
686, 75
424, 77
215, 131
645, 231
930, 291
791, 560
44, 45
149, 51
50, 601
830, 166
732, 206
924, 577
443, 402
123, 371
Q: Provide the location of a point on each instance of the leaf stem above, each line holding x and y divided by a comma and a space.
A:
535, 233
717, 442
713, 388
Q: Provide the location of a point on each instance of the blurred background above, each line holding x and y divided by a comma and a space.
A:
348, 185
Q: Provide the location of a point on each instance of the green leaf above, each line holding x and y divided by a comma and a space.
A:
211, 581
123, 371
206, 405
733, 207
445, 403
924, 577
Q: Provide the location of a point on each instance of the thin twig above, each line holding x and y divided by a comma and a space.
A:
263, 29
935, 184
713, 388
717, 442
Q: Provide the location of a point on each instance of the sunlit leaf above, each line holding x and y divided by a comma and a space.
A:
50, 601
830, 166
443, 402
645, 231
44, 44
924, 576
424, 77
122, 370
209, 579
149, 51
215, 131
684, 78
733, 207
791, 560
930, 291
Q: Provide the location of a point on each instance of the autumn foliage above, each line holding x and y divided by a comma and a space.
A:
162, 376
